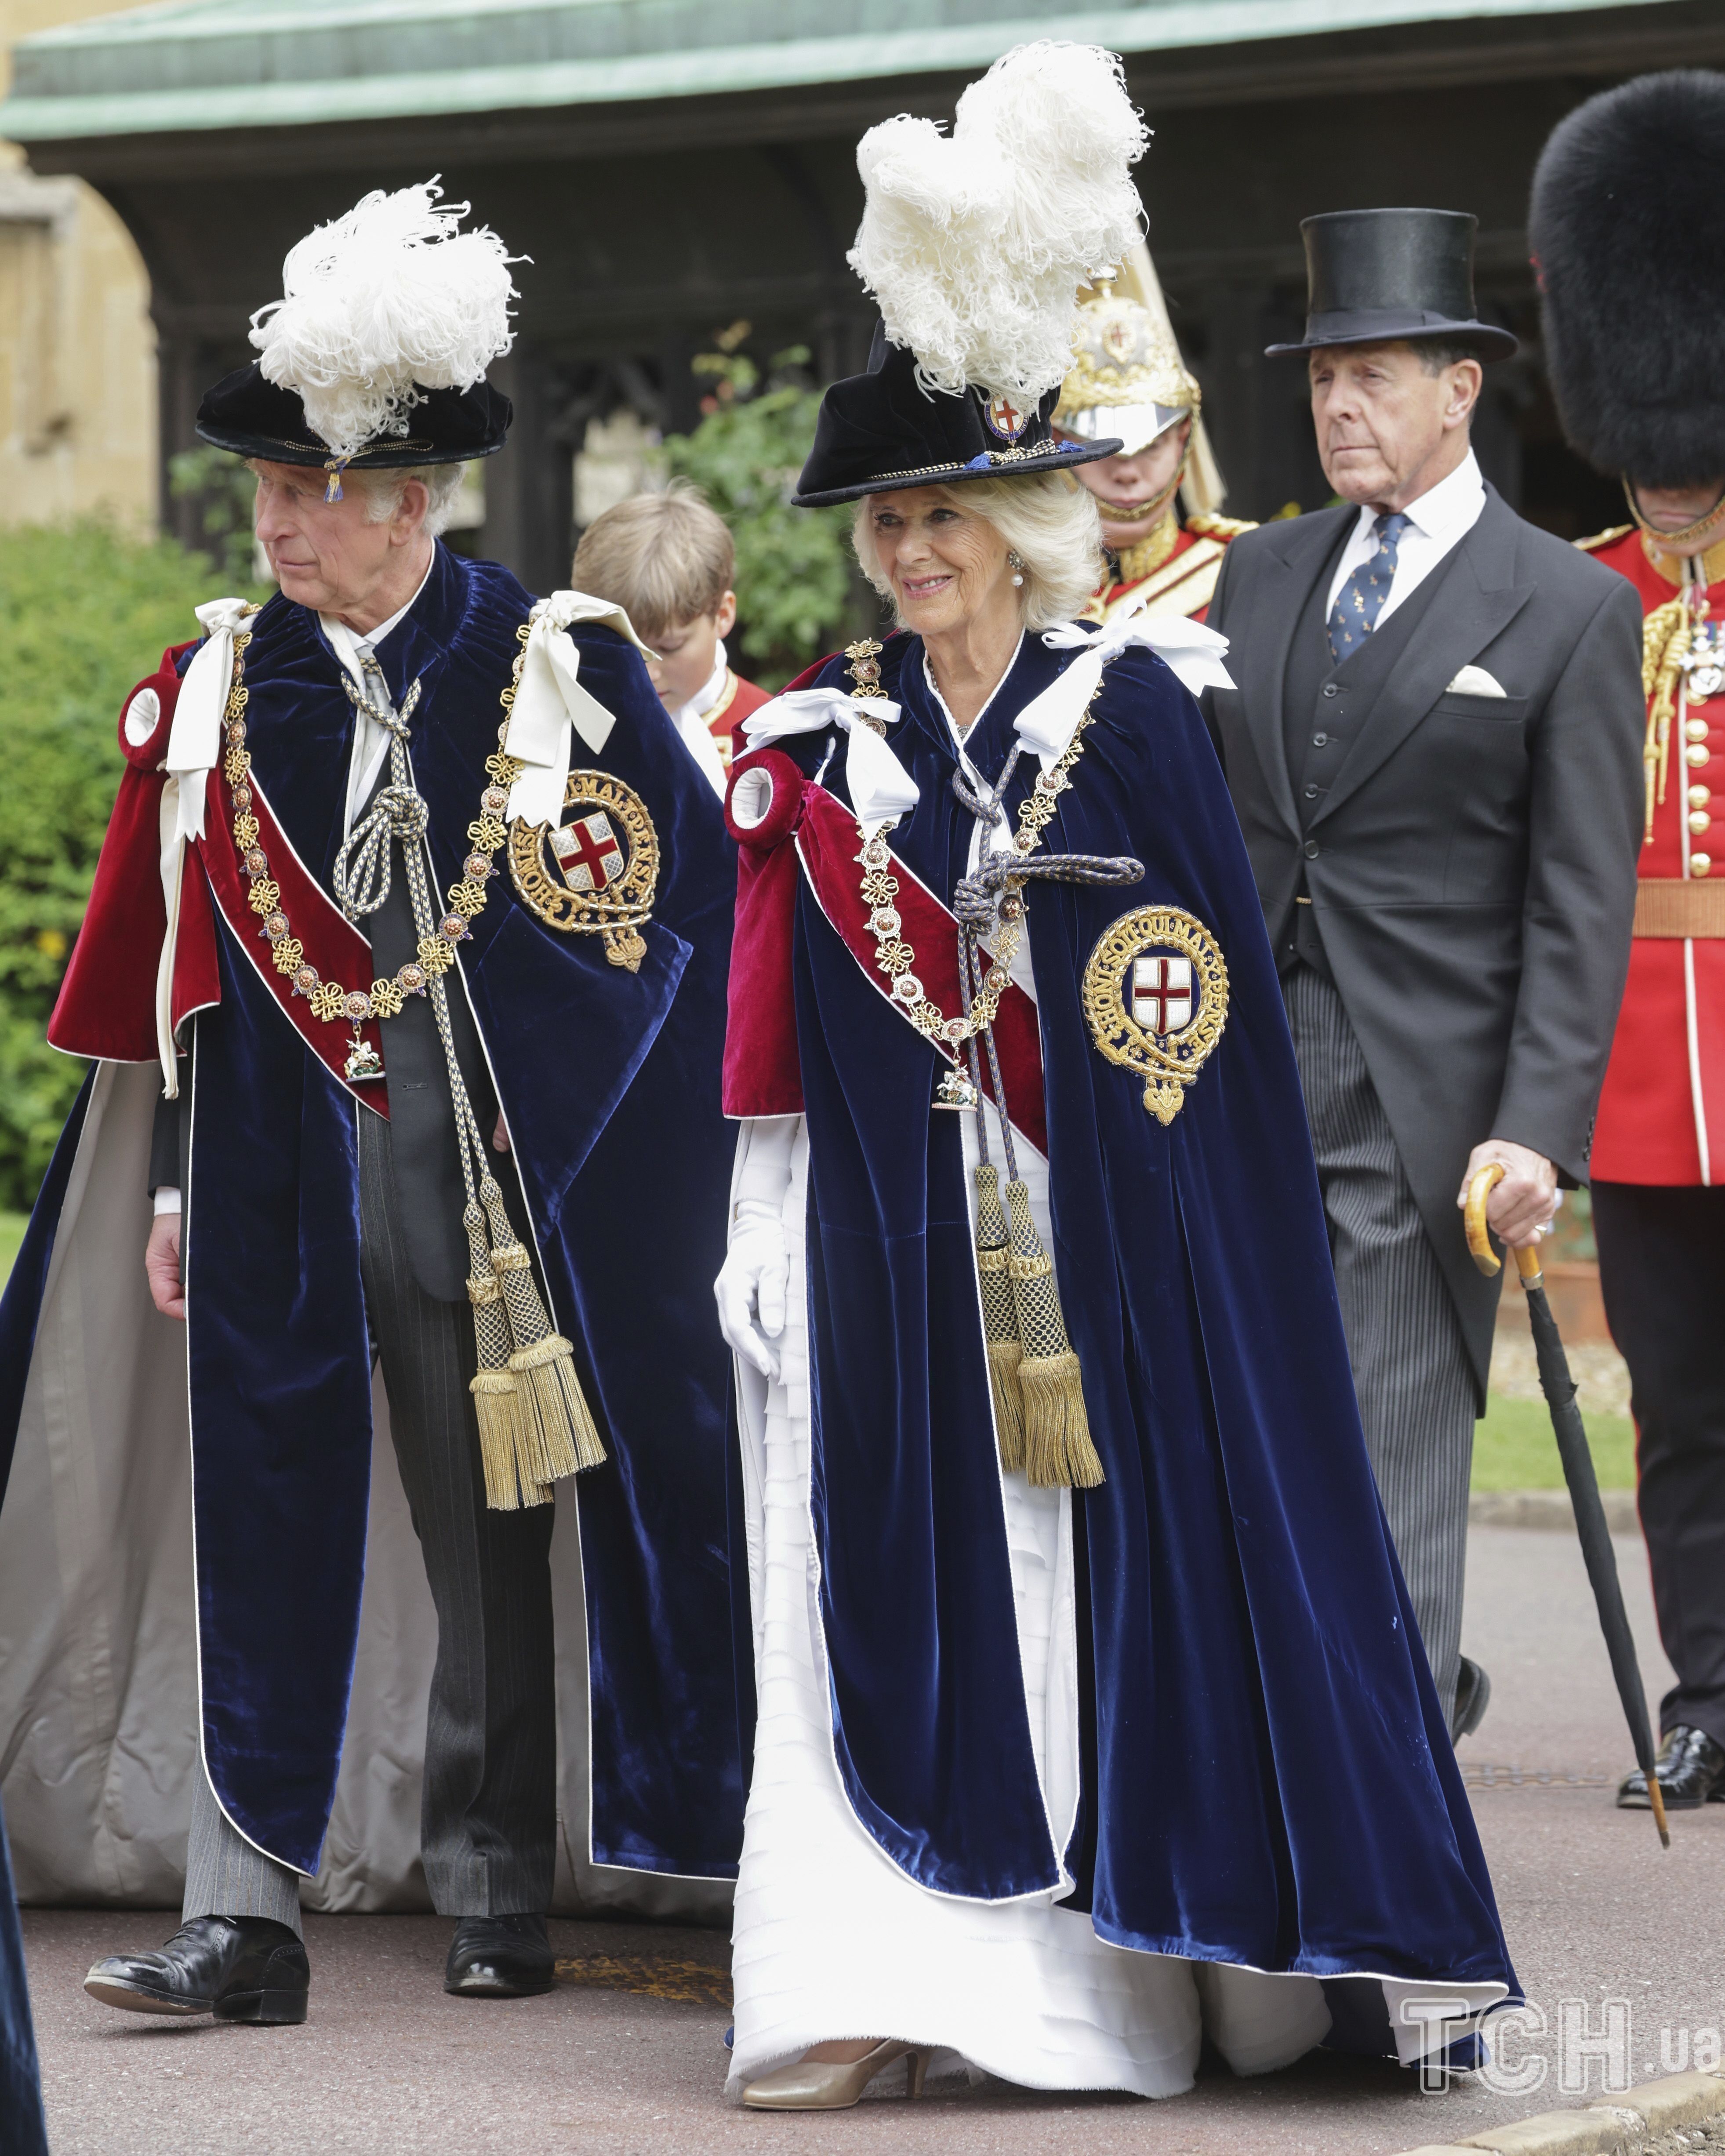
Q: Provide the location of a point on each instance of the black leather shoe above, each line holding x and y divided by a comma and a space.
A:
500, 1957
1473, 1696
1691, 1768
239, 1969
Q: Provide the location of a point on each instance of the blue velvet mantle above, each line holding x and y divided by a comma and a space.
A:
1267, 1778
609, 1081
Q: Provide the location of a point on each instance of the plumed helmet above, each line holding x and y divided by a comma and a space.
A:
1127, 378
1631, 268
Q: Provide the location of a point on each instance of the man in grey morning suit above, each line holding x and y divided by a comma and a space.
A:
1434, 751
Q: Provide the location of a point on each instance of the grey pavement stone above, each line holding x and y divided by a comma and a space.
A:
1548, 1508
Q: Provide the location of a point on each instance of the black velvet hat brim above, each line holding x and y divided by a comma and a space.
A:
1490, 342
1003, 464
254, 418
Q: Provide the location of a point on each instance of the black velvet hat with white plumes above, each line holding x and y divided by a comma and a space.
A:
254, 418
974, 244
1630, 254
375, 356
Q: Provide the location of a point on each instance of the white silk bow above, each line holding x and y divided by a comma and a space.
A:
551, 706
881, 789
194, 741
194, 747
1192, 652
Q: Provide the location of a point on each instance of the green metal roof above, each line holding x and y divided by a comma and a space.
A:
227, 63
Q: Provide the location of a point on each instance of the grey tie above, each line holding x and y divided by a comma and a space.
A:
1361, 599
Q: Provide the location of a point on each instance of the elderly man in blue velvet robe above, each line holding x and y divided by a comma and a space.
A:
440, 1020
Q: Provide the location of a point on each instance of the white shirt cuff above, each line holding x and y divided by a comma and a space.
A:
168, 1197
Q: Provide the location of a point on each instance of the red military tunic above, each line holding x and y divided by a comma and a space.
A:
737, 699
1174, 571
1662, 1112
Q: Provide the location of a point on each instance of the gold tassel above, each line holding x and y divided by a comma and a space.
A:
1000, 1327
1057, 1449
1666, 635
1057, 1443
563, 1416
498, 1409
556, 1434
496, 1398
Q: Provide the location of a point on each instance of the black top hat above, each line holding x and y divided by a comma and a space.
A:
881, 432
254, 417
1378, 276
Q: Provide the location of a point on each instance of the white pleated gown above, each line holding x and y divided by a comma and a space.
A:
832, 1940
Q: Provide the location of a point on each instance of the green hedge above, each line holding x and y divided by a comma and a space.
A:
84, 612
1514, 1449
796, 582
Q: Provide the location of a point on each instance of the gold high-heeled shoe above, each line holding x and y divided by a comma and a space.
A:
834, 2084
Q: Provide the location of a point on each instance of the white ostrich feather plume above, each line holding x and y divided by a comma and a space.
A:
974, 244
390, 295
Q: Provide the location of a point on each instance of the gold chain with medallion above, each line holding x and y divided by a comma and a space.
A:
897, 958
330, 1001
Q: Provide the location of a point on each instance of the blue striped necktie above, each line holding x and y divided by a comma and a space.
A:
1360, 600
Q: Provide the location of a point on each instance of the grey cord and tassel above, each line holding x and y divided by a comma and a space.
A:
535, 1425
1034, 1374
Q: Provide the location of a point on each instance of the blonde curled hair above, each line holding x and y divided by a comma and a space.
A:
1047, 519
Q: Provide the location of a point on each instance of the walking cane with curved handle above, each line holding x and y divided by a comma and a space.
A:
1601, 1560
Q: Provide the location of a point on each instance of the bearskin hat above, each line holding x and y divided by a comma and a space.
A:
1631, 268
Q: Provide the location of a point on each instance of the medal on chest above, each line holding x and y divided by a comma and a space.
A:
1704, 662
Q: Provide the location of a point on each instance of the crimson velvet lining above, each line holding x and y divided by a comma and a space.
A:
762, 1076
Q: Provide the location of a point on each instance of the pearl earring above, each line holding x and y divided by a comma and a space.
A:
1015, 563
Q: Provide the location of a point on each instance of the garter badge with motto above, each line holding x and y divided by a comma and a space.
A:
1156, 999
596, 872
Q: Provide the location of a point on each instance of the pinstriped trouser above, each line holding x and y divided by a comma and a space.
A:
1410, 1364
488, 1817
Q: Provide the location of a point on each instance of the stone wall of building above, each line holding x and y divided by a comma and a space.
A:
78, 396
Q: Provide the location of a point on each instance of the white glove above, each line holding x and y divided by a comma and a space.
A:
750, 1291
752, 1283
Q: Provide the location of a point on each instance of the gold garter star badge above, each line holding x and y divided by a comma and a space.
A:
596, 872
1156, 997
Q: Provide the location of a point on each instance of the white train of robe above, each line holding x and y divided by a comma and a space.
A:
832, 1940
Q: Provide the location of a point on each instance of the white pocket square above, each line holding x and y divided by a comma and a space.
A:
1474, 682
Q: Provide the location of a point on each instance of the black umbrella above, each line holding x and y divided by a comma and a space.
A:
1601, 1560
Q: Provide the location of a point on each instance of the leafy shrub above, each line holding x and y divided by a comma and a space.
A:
85, 613
796, 583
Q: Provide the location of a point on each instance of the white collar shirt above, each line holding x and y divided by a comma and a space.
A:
690, 720
999, 839
1437, 523
371, 741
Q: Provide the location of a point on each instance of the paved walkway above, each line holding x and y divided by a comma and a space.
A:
625, 2058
